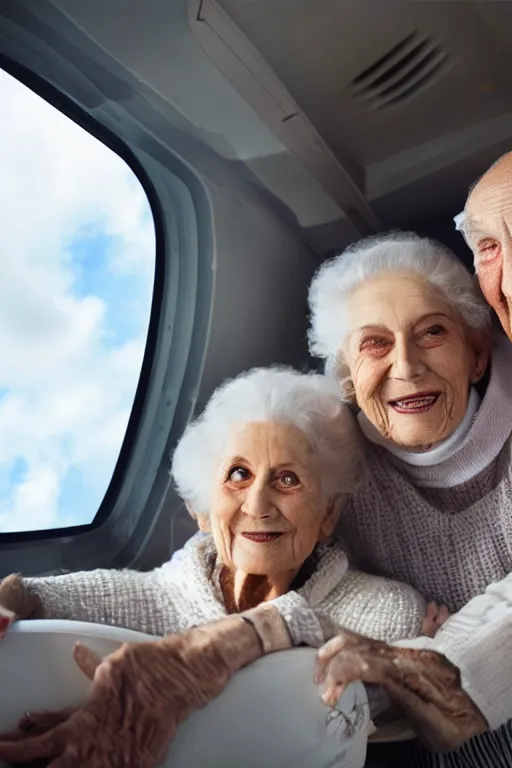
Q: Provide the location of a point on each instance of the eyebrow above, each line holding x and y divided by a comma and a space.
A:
293, 465
377, 326
473, 229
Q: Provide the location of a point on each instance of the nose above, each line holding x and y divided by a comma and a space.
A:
257, 502
407, 364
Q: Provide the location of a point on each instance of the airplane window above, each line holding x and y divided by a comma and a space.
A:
77, 245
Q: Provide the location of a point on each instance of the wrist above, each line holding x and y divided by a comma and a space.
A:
270, 627
234, 640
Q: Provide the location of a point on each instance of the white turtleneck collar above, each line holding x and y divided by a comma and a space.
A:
440, 453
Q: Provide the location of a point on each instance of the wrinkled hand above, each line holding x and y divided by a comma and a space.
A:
16, 602
424, 684
140, 695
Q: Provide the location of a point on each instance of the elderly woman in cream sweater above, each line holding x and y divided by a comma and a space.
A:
265, 471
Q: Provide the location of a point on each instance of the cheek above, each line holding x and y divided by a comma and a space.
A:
302, 512
366, 376
223, 513
489, 278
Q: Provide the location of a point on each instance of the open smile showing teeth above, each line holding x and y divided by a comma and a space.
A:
419, 403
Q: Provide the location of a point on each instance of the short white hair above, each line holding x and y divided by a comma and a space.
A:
395, 252
308, 401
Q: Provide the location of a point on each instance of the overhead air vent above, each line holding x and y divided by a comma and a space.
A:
410, 67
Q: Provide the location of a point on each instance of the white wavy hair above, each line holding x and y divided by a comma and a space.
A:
395, 252
308, 401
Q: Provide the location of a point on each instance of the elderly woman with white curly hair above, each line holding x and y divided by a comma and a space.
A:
406, 334
264, 470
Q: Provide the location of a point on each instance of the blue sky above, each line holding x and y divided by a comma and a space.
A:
77, 250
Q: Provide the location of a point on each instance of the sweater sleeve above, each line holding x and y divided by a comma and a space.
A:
377, 607
477, 640
129, 599
370, 605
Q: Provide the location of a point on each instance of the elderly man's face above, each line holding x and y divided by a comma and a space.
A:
411, 359
268, 509
488, 231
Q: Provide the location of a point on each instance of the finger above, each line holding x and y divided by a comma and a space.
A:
428, 628
87, 660
46, 745
36, 723
431, 612
324, 657
443, 615
44, 720
332, 693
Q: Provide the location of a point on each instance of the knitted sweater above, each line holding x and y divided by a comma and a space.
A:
453, 542
175, 598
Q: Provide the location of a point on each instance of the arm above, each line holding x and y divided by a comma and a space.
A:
477, 640
122, 598
375, 607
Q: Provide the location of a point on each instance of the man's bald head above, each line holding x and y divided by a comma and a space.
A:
500, 172
487, 227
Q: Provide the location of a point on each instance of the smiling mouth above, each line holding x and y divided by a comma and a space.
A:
419, 403
261, 538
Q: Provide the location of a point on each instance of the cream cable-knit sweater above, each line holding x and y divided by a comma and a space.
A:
175, 598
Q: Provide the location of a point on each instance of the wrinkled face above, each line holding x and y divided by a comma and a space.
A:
488, 231
411, 360
268, 510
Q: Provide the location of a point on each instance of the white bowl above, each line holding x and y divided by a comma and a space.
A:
269, 714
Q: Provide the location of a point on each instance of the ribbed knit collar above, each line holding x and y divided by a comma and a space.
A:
476, 442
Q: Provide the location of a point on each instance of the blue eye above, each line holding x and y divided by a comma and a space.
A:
238, 474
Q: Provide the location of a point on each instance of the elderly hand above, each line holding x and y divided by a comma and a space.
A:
140, 695
424, 684
16, 602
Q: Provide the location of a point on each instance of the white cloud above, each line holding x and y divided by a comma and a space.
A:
68, 391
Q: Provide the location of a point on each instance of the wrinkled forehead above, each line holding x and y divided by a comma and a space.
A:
489, 204
268, 442
395, 301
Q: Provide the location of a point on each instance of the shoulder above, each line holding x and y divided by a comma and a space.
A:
378, 607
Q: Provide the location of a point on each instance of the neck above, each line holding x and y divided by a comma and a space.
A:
242, 591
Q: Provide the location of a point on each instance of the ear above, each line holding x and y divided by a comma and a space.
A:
331, 517
203, 523
481, 344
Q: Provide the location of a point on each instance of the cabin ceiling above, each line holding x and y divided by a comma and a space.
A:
418, 93
392, 107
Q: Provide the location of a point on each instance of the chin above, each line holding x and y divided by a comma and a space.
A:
420, 440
